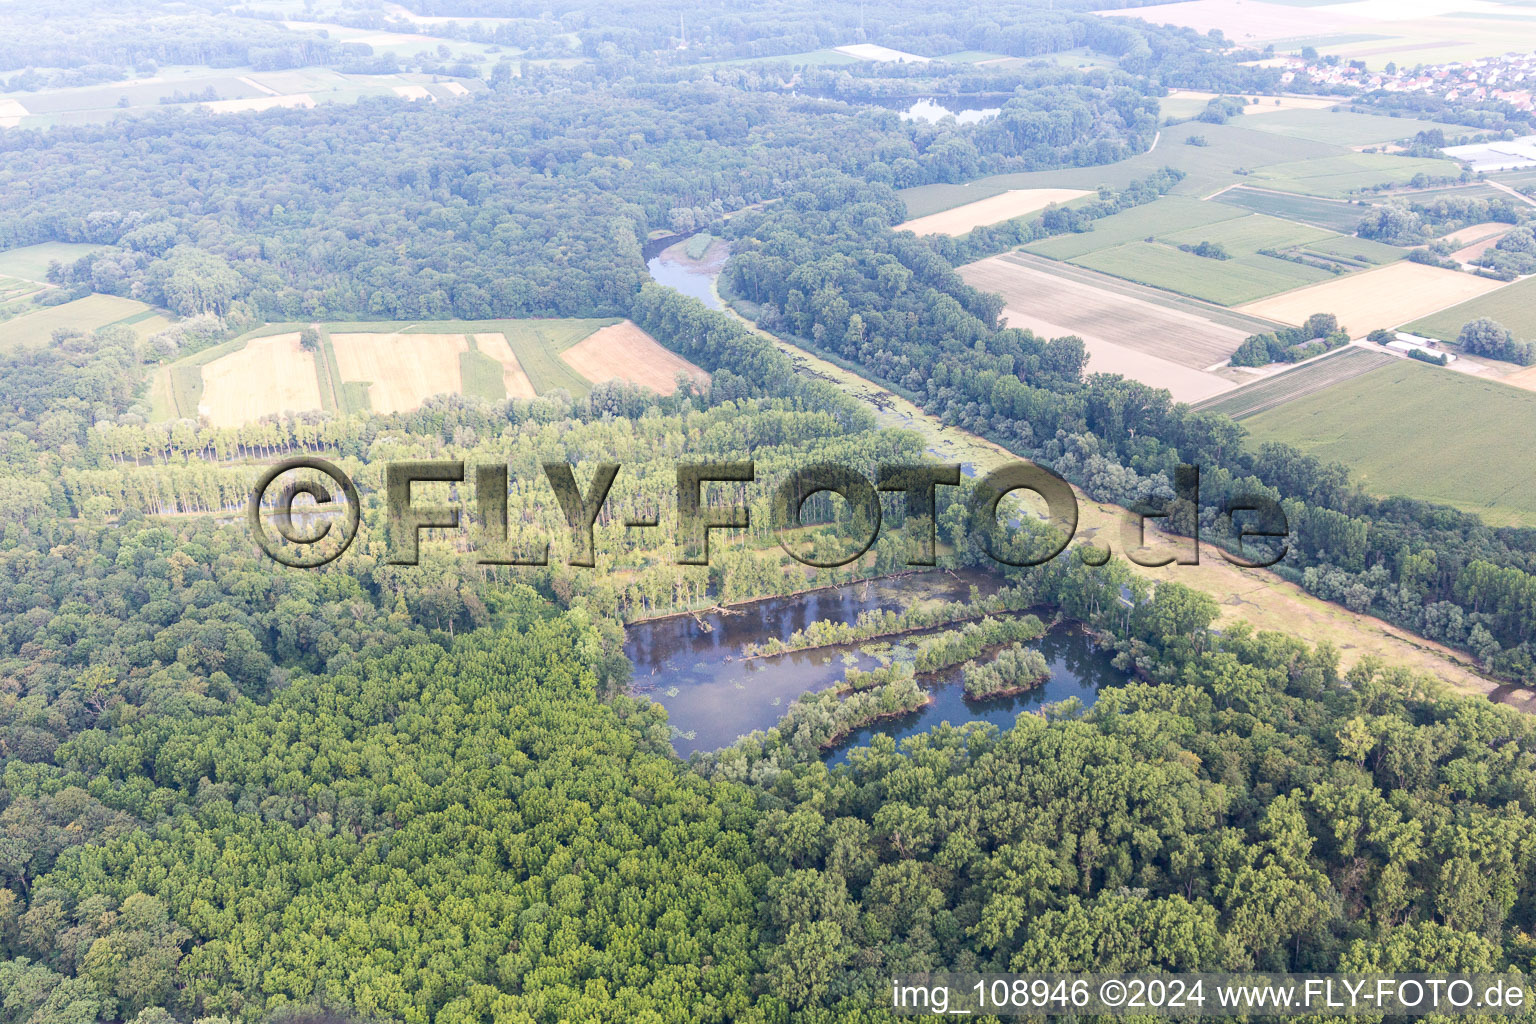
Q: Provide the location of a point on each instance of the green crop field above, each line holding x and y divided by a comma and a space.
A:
1333, 214
1338, 176
1514, 306
1365, 250
1394, 428
1343, 128
87, 314
481, 375
1206, 168
1297, 382
1225, 282
1155, 219
1249, 234
31, 261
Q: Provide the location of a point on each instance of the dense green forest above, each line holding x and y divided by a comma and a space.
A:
234, 793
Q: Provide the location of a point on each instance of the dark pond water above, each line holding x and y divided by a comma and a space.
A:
713, 697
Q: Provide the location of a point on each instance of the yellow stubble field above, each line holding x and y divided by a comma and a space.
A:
403, 369
269, 376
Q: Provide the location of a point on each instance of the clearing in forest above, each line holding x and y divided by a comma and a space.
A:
625, 352
992, 210
403, 370
1386, 297
269, 376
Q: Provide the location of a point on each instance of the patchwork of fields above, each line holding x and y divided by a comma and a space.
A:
1266, 255
1261, 233
395, 367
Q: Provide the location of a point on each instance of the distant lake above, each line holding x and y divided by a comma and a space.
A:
713, 697
965, 110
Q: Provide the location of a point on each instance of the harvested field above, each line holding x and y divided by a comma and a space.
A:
403, 369
1166, 348
1524, 379
1390, 427
992, 210
625, 352
269, 376
1513, 305
512, 376
412, 92
1298, 382
1386, 297
1476, 249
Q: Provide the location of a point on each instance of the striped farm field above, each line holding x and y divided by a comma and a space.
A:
1167, 345
402, 370
1297, 382
395, 366
1334, 214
